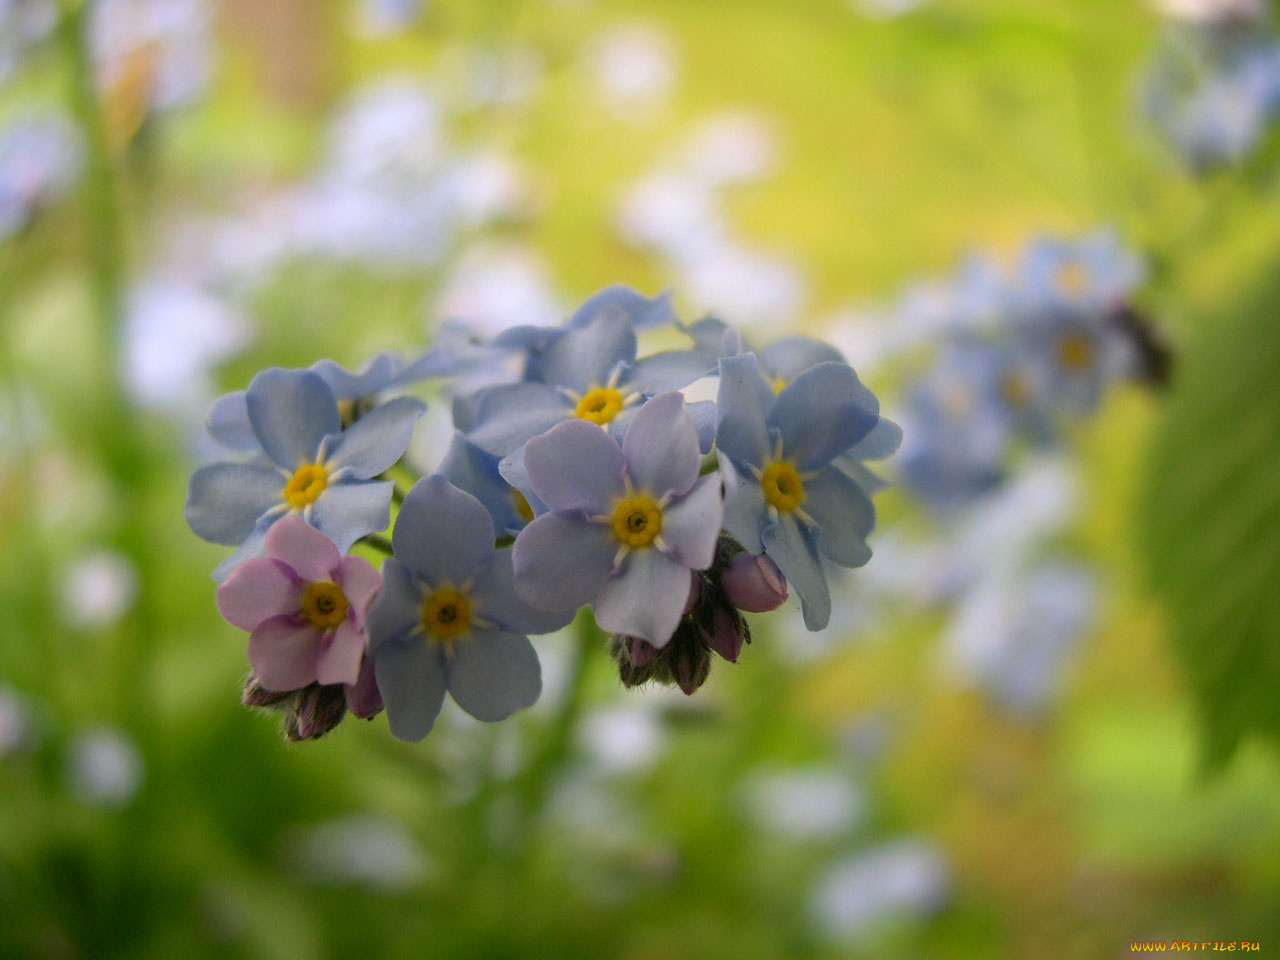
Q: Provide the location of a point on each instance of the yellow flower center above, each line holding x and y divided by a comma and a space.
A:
1016, 390
599, 405
779, 384
324, 604
446, 613
637, 520
782, 486
1075, 352
306, 485
1073, 279
521, 503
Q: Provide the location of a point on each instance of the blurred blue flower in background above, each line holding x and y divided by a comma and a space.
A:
40, 158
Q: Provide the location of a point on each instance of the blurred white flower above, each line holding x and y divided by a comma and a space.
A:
358, 850
1013, 633
104, 767
1211, 10
175, 332
738, 147
624, 738
897, 881
40, 157
164, 44
99, 589
635, 66
387, 132
23, 24
670, 212
16, 732
885, 9
814, 804
493, 287
757, 289
381, 18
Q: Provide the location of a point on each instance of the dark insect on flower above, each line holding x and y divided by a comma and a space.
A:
1153, 355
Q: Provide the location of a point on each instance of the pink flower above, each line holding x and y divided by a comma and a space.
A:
304, 606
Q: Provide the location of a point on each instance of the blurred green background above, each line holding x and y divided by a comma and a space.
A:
145, 813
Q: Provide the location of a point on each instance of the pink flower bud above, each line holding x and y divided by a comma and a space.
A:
754, 584
725, 638
363, 698
642, 652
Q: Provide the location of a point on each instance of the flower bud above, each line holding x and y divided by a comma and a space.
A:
363, 698
690, 665
319, 709
754, 584
727, 634
256, 695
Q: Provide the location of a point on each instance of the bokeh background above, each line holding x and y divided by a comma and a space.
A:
1038, 726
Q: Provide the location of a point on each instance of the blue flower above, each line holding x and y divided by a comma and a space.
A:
626, 526
586, 371
449, 618
311, 466
357, 393
784, 360
961, 419
1092, 275
1071, 356
784, 497
472, 470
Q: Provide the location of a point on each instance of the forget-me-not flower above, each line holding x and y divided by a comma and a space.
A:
472, 470
625, 526
783, 495
587, 371
312, 467
449, 618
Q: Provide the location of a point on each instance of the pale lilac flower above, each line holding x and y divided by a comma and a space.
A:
626, 524
105, 767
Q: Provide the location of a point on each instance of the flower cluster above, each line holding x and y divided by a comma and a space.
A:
1030, 350
589, 481
1213, 88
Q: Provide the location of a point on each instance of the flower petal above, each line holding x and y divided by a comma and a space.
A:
507, 416
661, 447
255, 545
645, 598
347, 511
584, 357
744, 399
377, 440
291, 412
410, 676
442, 534
228, 423
257, 590
823, 412
668, 370
883, 441
283, 652
561, 559
575, 466
844, 515
631, 305
374, 376
745, 510
792, 549
474, 471
301, 546
496, 600
703, 415
360, 581
691, 524
340, 655
791, 356
363, 699
225, 500
398, 609
495, 673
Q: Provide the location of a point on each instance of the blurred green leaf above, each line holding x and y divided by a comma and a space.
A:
1210, 526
